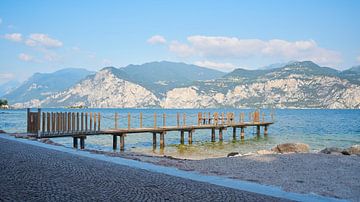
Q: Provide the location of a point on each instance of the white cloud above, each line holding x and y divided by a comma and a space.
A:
181, 50
16, 37
25, 57
43, 40
157, 39
210, 47
215, 65
358, 58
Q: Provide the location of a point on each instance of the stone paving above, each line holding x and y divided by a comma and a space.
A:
30, 173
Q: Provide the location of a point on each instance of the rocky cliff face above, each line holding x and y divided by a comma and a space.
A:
317, 92
103, 90
296, 85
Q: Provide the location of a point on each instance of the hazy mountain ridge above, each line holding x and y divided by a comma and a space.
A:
295, 85
41, 85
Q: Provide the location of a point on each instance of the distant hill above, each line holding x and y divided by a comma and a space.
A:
41, 85
8, 86
178, 85
352, 74
162, 76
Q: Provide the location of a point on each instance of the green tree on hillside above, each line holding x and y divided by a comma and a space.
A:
3, 102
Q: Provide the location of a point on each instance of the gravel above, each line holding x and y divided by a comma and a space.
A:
30, 173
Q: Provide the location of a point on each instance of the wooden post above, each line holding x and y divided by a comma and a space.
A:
28, 120
258, 130
184, 119
178, 119
209, 122
250, 117
86, 121
164, 120
216, 118
38, 121
182, 137
154, 140
114, 142
242, 133
155, 120
212, 134
122, 142
82, 121
204, 119
52, 122
99, 121
234, 133
65, 121
48, 122
220, 134
75, 142
116, 120
69, 121
265, 130
263, 117
57, 121
95, 121
90, 121
43, 122
222, 118
162, 140
77, 122
141, 120
60, 122
82, 142
73, 125
199, 118
129, 119
190, 136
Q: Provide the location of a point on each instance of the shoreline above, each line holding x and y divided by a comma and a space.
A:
304, 173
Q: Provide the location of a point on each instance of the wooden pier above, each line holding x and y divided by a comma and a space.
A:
79, 125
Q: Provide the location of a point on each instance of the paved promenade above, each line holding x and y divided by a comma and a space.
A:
30, 173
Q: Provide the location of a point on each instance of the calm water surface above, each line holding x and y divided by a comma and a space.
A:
316, 127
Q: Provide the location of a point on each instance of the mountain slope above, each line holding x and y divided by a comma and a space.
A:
41, 85
103, 90
159, 77
7, 87
297, 85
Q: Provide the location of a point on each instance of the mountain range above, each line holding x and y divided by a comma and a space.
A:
179, 85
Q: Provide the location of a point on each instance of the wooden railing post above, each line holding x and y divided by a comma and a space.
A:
28, 120
95, 121
82, 121
90, 125
99, 121
222, 118
43, 122
116, 120
164, 120
72, 121
184, 119
77, 121
86, 121
129, 119
38, 121
178, 119
155, 120
141, 120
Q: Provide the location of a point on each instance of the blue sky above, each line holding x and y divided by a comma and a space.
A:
44, 36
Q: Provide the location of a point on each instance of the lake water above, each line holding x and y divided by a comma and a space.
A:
317, 127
